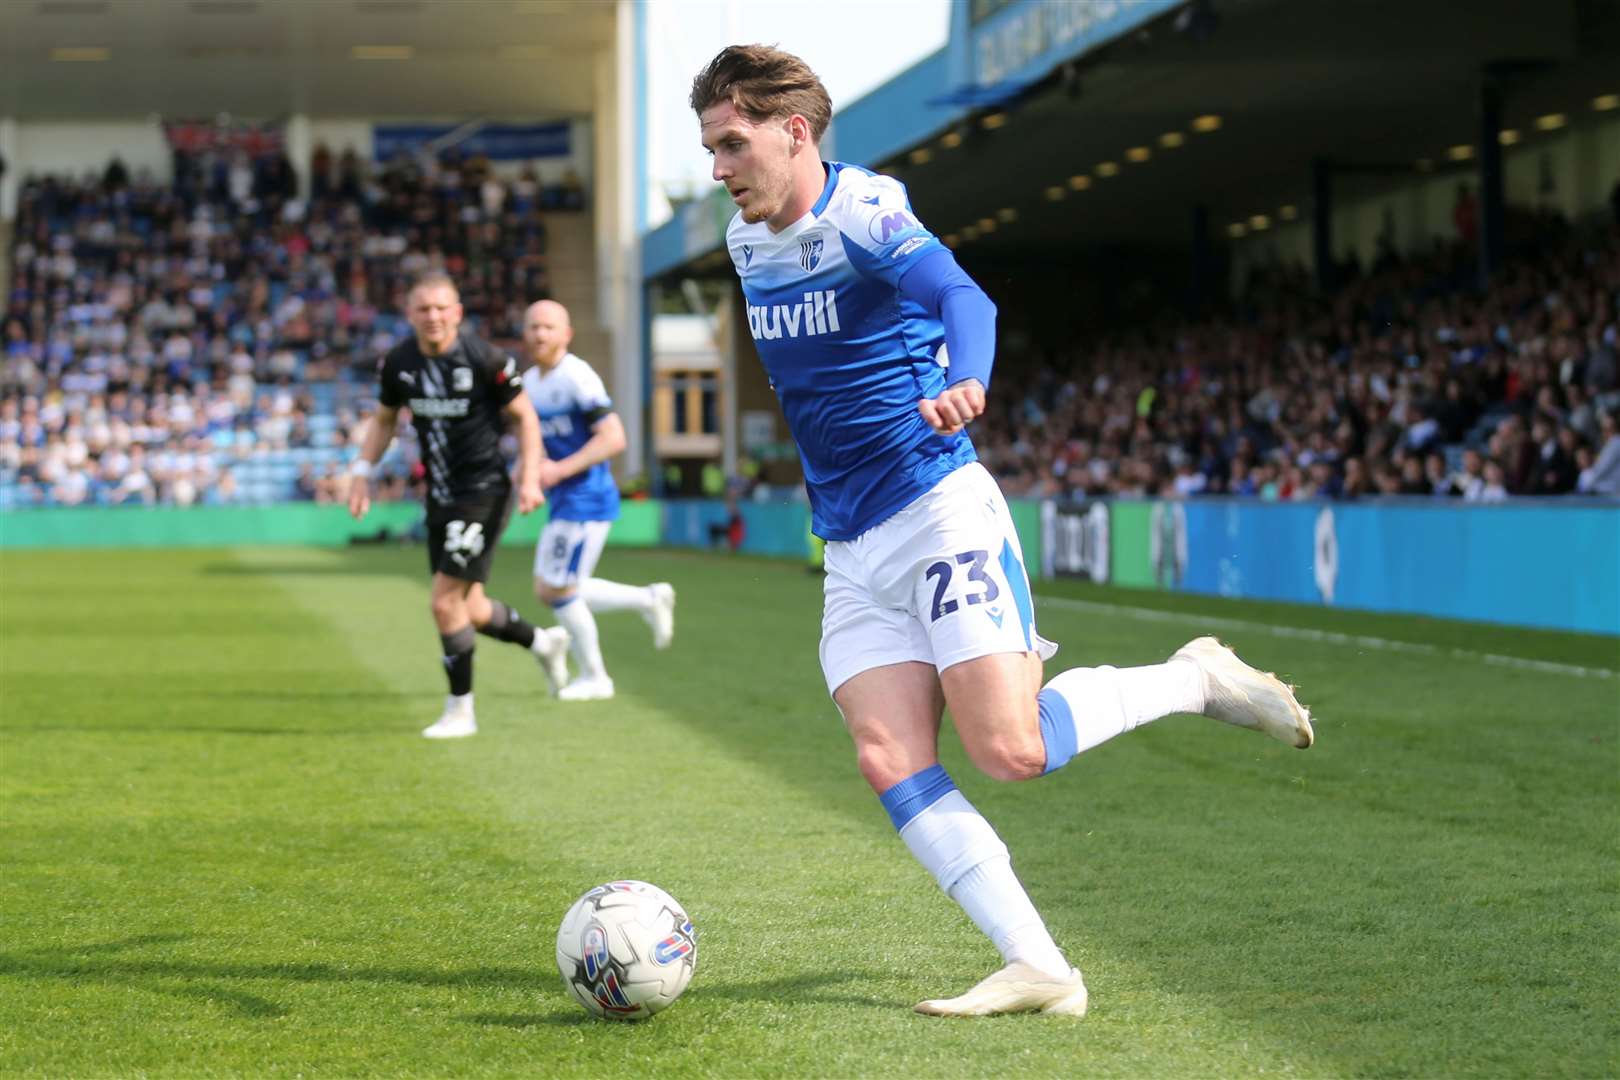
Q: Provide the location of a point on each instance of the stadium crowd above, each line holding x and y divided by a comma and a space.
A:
1407, 381
213, 340
209, 340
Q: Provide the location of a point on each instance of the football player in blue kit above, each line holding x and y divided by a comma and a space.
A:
581, 433
880, 349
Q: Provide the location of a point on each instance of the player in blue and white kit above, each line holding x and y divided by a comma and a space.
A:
581, 432
856, 310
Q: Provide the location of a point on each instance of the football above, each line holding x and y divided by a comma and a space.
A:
626, 950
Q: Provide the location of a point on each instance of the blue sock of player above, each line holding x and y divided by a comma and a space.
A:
957, 845
575, 615
1084, 707
458, 659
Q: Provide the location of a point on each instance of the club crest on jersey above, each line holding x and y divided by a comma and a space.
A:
885, 225
810, 253
461, 379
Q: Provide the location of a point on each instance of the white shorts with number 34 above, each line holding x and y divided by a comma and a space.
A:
940, 582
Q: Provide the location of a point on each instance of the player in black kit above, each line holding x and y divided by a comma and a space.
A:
462, 394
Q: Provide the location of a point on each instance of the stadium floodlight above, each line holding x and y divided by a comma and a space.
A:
1079, 183
1460, 152
1605, 102
1007, 215
1206, 123
920, 156
1138, 154
951, 240
1107, 168
1237, 230
951, 139
1056, 193
1288, 212
1259, 222
987, 225
1508, 136
1172, 139
992, 121
1551, 122
970, 232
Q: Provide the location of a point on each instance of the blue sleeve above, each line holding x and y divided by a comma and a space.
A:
941, 287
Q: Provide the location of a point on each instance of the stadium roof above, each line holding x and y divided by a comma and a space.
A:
72, 59
1375, 85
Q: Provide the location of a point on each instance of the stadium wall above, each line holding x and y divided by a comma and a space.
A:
284, 524
1522, 563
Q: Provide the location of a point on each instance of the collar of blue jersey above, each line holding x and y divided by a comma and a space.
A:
831, 169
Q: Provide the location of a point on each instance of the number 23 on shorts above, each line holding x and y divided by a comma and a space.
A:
980, 588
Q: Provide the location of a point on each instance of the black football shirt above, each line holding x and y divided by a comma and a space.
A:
456, 401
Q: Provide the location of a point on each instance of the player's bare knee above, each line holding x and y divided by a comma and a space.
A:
550, 594
1012, 757
446, 605
880, 763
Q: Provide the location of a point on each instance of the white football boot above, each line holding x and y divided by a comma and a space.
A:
551, 649
583, 689
1241, 695
661, 617
456, 722
1016, 988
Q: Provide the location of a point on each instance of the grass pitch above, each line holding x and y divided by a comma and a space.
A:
225, 850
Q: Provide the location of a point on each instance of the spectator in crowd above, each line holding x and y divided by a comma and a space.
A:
161, 342
1376, 389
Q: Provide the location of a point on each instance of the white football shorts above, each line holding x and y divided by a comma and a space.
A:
940, 582
568, 551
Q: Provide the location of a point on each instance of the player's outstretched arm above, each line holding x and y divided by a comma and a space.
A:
520, 412
378, 436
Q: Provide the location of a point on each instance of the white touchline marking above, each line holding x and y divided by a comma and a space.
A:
1328, 636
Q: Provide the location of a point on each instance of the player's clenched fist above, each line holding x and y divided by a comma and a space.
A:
954, 408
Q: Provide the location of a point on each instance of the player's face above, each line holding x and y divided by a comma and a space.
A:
546, 334
434, 312
754, 161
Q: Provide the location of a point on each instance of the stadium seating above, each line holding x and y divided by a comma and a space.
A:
178, 344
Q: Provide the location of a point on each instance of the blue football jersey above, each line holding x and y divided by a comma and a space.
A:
848, 355
569, 399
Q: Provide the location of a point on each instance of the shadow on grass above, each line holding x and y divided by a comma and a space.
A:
100, 962
91, 962
798, 989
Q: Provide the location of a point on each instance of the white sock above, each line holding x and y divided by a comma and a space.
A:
956, 844
461, 704
603, 595
1107, 701
576, 617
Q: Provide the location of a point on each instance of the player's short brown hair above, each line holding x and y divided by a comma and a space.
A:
433, 279
763, 83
